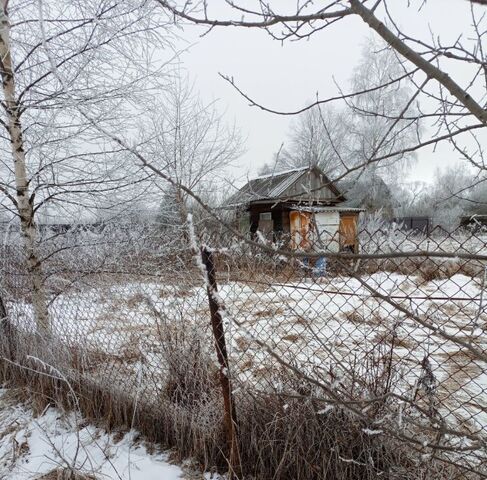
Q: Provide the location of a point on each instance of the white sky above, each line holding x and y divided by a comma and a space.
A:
285, 76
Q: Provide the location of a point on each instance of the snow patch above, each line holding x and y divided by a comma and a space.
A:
34, 446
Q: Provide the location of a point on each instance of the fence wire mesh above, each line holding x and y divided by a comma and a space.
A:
341, 367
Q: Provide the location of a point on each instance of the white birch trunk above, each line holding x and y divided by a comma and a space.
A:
24, 202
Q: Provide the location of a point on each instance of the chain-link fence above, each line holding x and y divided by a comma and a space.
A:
336, 366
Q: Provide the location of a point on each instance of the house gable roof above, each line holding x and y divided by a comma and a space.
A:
274, 187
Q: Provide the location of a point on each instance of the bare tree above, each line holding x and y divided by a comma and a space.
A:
189, 140
62, 62
378, 111
441, 200
444, 206
314, 138
339, 139
409, 197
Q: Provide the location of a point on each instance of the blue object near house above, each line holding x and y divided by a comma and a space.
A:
320, 267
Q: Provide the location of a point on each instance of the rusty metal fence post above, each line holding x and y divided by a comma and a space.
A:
222, 355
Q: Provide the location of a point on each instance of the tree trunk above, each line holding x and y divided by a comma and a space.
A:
24, 201
183, 211
7, 332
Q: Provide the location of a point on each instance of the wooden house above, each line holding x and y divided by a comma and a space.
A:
302, 206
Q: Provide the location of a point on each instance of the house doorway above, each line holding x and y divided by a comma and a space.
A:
300, 226
348, 233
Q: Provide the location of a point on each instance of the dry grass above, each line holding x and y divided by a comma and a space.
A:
269, 312
356, 318
396, 341
293, 338
280, 438
243, 343
427, 269
462, 368
247, 365
135, 300
66, 474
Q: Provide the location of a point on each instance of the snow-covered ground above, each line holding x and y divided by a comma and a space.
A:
339, 325
33, 446
318, 326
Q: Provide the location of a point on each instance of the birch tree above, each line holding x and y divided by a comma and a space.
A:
340, 139
63, 63
22, 198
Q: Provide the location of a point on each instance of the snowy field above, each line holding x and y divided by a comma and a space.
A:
34, 446
325, 328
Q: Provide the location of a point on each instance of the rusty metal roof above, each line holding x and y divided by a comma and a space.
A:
267, 186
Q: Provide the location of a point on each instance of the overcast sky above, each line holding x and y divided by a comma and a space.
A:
286, 76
